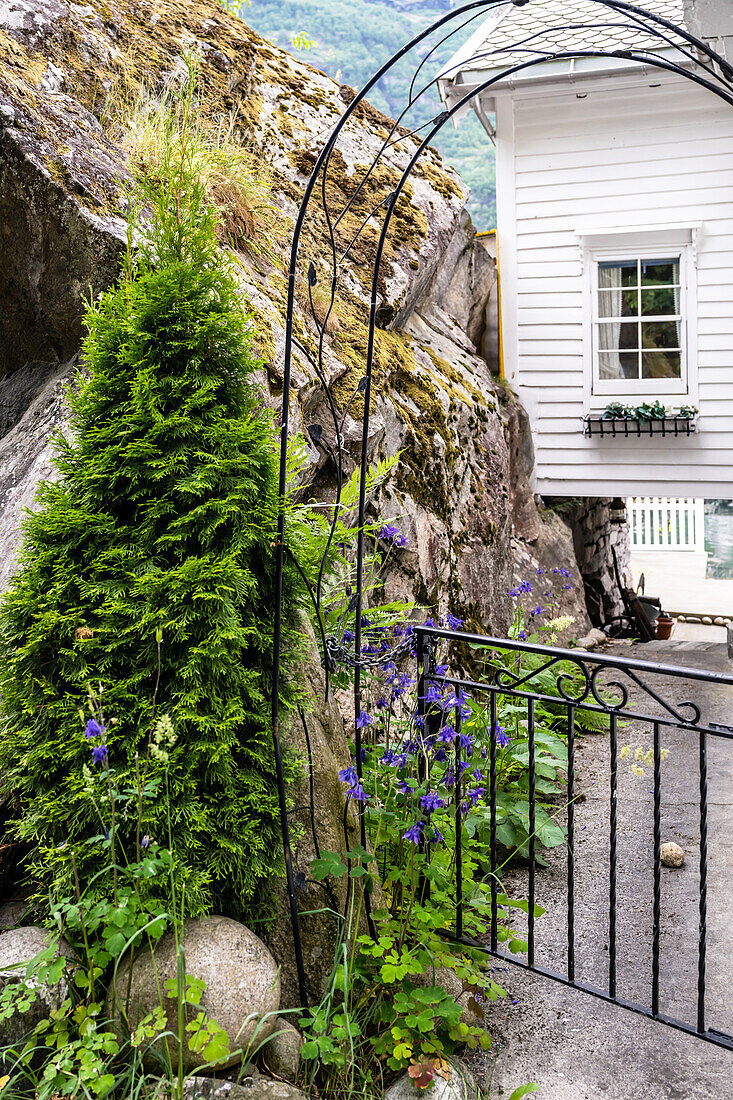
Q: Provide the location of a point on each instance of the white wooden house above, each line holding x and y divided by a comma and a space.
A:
615, 244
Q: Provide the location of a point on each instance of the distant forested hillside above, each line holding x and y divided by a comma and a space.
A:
353, 38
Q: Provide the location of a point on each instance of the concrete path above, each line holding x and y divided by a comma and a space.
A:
575, 1046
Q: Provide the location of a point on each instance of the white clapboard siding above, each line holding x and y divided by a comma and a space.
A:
614, 155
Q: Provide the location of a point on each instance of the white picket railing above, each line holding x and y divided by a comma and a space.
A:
666, 524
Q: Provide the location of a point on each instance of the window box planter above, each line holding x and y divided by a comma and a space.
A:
595, 424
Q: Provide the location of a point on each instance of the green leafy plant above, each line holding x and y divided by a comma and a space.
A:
162, 518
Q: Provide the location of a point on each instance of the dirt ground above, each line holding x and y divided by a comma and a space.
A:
573, 1045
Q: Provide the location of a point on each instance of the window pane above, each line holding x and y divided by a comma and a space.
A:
660, 334
618, 303
615, 335
615, 364
660, 303
617, 274
660, 272
661, 364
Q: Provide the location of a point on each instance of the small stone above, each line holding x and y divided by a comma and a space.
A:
250, 1086
282, 1051
242, 985
461, 1085
706, 620
7, 114
671, 854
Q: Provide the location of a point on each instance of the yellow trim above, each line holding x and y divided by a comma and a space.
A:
498, 306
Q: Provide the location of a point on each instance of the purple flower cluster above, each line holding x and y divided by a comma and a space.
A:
389, 533
94, 731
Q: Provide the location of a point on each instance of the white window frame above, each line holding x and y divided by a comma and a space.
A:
616, 245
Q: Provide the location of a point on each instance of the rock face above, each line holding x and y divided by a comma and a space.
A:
63, 230
18, 946
242, 991
460, 487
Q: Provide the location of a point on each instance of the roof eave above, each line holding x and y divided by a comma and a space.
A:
566, 70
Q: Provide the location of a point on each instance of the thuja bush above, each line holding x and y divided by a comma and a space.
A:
160, 527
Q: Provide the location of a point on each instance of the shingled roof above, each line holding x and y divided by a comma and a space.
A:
514, 34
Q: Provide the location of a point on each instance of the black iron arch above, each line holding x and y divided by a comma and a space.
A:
712, 72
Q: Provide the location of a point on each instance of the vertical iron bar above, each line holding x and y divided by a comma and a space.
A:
657, 909
571, 843
277, 645
492, 811
424, 654
703, 933
459, 826
532, 815
612, 861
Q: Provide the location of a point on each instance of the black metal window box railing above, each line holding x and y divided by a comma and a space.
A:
634, 426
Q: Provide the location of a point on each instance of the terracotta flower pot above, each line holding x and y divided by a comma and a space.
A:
665, 625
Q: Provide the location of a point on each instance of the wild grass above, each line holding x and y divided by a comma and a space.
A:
155, 127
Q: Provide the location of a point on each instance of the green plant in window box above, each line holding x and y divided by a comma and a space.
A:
616, 410
645, 411
688, 412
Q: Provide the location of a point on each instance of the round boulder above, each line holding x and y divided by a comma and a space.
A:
671, 854
17, 947
242, 987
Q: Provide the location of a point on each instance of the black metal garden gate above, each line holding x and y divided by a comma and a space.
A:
634, 699
319, 268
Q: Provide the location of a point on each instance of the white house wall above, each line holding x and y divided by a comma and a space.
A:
633, 156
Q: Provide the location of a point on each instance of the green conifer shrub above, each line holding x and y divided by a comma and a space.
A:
163, 519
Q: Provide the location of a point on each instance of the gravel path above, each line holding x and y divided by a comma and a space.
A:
573, 1045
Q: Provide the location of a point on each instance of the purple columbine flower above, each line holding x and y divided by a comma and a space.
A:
514, 592
430, 621
348, 775
447, 735
390, 533
363, 721
404, 787
433, 694
525, 586
476, 794
93, 729
522, 635
432, 801
357, 792
145, 843
502, 739
454, 623
415, 832
439, 755
437, 837
441, 670
99, 754
466, 743
387, 758
539, 610
381, 703
450, 778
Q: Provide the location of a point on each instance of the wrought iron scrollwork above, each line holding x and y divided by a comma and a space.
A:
324, 253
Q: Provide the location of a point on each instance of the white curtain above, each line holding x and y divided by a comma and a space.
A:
609, 280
